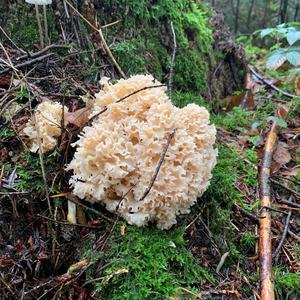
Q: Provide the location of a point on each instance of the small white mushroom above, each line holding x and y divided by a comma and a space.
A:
44, 3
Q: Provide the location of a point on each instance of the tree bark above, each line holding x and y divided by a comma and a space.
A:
250, 13
296, 12
283, 11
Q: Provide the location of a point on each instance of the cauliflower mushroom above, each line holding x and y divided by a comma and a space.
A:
45, 124
118, 153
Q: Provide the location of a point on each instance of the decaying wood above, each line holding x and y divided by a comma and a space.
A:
265, 247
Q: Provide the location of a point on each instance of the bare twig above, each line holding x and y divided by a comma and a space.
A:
160, 162
12, 42
122, 99
292, 204
28, 63
172, 61
265, 247
67, 224
42, 163
255, 219
296, 194
270, 84
42, 51
286, 227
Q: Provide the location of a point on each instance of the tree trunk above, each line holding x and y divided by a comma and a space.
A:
283, 11
296, 12
266, 13
250, 14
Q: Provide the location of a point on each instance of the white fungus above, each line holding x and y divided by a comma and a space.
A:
45, 124
118, 154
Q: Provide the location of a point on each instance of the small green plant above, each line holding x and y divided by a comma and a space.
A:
282, 51
248, 241
6, 133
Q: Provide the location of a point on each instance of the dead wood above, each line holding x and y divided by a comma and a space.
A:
265, 247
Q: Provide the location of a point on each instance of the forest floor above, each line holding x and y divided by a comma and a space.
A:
211, 253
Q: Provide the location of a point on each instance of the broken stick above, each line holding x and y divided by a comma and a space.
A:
265, 247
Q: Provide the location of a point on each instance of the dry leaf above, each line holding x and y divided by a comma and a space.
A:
245, 100
291, 172
234, 100
248, 101
251, 84
78, 117
282, 155
282, 111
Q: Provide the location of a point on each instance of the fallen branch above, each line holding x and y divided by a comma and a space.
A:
274, 87
255, 219
38, 53
292, 204
286, 227
161, 160
265, 248
296, 194
27, 63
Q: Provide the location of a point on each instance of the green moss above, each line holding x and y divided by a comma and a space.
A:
158, 264
182, 99
145, 45
22, 26
29, 172
286, 282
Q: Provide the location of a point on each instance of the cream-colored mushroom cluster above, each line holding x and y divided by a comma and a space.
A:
45, 124
118, 154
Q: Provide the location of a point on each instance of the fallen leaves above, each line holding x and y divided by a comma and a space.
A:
246, 99
78, 117
282, 155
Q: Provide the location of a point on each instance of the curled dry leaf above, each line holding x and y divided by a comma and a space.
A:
282, 155
78, 117
245, 100
282, 111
